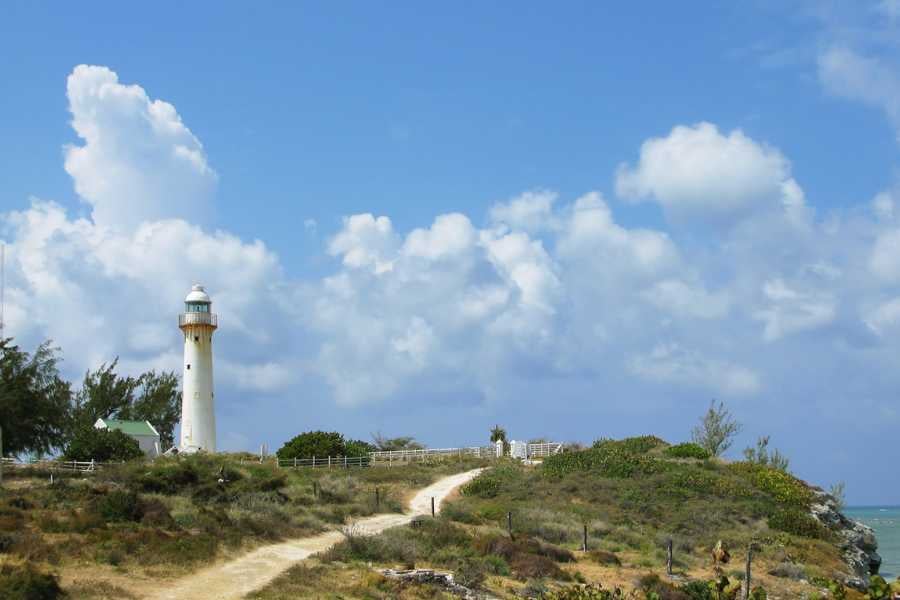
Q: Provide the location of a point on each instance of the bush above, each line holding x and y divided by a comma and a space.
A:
26, 582
687, 450
314, 443
609, 458
797, 522
470, 573
168, 476
604, 558
102, 445
118, 506
483, 486
534, 566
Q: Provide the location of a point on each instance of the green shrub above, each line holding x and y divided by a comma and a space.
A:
470, 573
687, 450
878, 588
26, 582
119, 505
167, 476
609, 458
782, 486
102, 445
483, 486
797, 522
585, 592
604, 558
314, 443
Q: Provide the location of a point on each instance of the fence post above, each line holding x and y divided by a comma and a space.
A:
584, 538
669, 557
377, 498
329, 462
432, 506
746, 594
345, 462
509, 524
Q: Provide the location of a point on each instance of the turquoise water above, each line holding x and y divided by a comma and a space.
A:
885, 520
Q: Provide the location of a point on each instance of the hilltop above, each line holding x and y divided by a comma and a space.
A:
633, 495
514, 531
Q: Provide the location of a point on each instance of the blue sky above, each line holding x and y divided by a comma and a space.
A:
584, 220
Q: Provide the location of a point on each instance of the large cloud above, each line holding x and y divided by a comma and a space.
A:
138, 161
698, 171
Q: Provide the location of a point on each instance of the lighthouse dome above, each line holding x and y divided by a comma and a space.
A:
198, 294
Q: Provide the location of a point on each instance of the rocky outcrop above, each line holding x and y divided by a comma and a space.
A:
858, 543
444, 580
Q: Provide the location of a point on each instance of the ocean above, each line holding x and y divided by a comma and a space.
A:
885, 520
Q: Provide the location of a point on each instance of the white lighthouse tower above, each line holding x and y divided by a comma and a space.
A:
198, 414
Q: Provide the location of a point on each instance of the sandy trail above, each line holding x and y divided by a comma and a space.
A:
236, 578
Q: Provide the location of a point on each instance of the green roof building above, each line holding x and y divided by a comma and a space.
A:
142, 431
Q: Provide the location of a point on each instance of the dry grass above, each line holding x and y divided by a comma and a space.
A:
164, 519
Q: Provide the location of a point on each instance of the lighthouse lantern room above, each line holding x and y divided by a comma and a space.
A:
198, 415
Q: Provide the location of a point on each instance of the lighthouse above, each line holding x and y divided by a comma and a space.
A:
198, 414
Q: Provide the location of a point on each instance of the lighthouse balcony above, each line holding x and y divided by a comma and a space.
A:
197, 318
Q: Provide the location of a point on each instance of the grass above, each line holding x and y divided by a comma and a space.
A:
347, 582
170, 516
633, 495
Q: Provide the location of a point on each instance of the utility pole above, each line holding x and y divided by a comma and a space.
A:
2, 286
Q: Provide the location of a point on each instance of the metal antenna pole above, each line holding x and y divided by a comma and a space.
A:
2, 286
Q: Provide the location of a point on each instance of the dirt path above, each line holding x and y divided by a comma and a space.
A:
234, 579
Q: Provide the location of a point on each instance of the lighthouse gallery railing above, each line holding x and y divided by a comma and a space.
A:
197, 318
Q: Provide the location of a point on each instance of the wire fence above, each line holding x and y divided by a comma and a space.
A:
53, 465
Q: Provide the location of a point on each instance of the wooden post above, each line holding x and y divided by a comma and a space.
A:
329, 462
746, 594
509, 524
584, 539
669, 557
432, 506
377, 499
295, 462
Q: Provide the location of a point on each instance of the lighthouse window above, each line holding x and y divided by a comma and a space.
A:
189, 367
196, 338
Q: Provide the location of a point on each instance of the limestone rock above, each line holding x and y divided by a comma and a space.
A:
858, 543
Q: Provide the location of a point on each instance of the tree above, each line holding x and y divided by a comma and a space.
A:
385, 444
102, 445
34, 400
837, 491
158, 401
103, 395
716, 430
152, 397
498, 434
313, 443
761, 455
358, 448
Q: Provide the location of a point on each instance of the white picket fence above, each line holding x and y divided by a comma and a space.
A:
425, 453
324, 462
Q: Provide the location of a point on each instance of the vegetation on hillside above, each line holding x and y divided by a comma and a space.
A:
171, 515
633, 495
